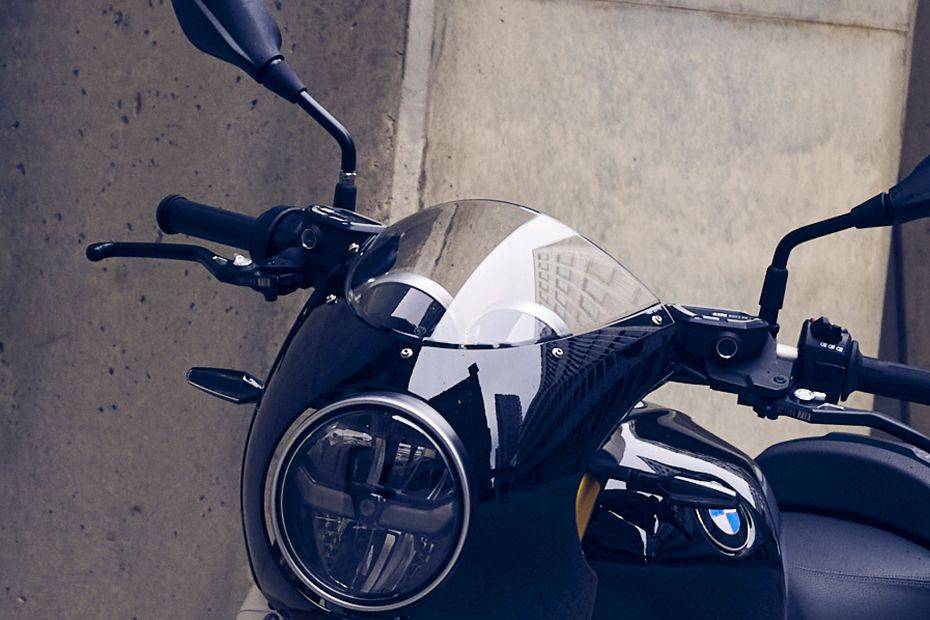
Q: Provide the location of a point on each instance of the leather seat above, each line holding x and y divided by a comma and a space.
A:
855, 526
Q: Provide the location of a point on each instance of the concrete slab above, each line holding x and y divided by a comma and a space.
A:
684, 142
120, 485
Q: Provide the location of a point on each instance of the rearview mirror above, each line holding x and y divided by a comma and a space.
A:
910, 198
243, 33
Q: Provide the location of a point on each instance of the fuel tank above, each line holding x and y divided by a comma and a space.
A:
685, 525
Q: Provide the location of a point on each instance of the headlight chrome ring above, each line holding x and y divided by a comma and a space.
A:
342, 499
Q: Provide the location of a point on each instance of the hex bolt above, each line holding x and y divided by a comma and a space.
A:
656, 319
330, 299
406, 353
353, 248
557, 352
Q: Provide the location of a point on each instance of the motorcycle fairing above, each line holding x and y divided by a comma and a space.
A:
530, 417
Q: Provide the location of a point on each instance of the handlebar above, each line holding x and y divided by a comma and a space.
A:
893, 380
289, 248
176, 214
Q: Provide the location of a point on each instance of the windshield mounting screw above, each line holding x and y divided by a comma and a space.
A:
656, 319
557, 352
330, 299
406, 353
353, 248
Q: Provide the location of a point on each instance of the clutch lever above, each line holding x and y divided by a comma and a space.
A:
279, 275
810, 407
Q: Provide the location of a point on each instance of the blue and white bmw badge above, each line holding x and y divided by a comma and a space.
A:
730, 529
727, 520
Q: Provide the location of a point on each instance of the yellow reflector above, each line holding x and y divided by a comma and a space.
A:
588, 491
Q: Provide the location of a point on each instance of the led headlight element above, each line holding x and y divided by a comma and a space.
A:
371, 501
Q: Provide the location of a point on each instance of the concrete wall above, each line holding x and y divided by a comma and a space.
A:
119, 485
683, 137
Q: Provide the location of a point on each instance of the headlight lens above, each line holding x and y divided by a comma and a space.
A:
371, 503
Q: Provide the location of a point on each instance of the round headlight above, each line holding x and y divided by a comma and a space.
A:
370, 501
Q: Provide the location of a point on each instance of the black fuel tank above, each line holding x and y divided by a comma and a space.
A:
685, 526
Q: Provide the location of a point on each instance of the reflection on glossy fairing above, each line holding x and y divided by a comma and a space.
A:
642, 539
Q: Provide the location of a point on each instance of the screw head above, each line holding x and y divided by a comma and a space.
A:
353, 248
406, 353
330, 299
780, 379
656, 319
557, 352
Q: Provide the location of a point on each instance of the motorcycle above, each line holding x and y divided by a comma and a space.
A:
455, 426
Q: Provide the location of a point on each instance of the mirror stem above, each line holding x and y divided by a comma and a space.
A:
776, 276
345, 194
332, 127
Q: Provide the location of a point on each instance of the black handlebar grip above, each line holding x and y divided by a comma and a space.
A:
176, 214
893, 380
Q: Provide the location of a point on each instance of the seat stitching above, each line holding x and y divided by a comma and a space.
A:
894, 579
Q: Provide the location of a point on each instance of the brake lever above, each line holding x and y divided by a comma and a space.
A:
171, 251
811, 407
279, 275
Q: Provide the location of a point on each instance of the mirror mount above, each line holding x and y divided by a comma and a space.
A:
907, 201
243, 33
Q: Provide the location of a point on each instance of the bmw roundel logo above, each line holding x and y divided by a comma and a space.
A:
730, 529
727, 520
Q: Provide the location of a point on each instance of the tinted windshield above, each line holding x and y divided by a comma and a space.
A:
487, 273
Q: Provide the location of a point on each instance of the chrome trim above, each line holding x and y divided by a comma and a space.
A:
787, 353
437, 429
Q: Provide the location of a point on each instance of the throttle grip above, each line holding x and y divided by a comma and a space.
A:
176, 214
893, 380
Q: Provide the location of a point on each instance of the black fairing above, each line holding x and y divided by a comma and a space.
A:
522, 556
653, 557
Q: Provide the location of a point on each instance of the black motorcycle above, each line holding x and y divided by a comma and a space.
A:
455, 425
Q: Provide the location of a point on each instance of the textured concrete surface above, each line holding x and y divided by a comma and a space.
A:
685, 142
119, 485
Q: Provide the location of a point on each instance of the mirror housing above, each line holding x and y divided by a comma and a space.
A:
907, 201
910, 199
242, 33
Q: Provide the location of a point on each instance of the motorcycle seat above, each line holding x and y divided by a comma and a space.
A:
855, 526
